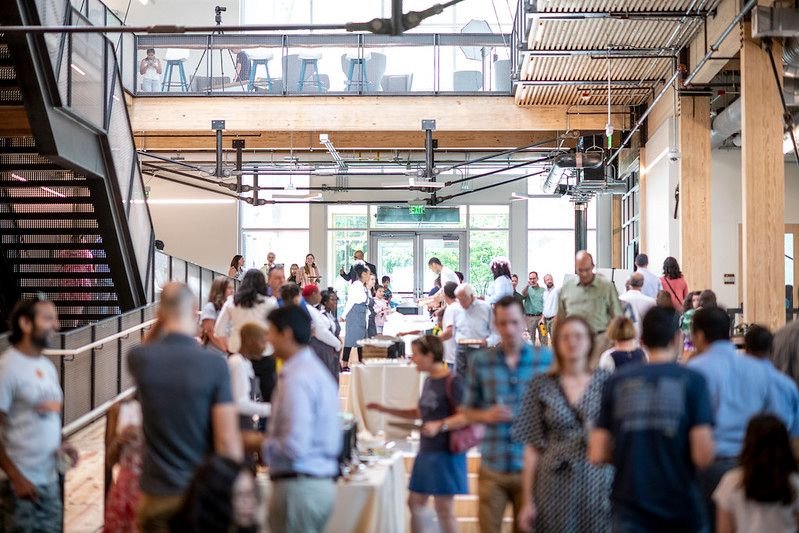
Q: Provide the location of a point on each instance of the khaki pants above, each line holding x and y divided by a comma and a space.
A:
532, 328
550, 322
496, 490
301, 504
155, 512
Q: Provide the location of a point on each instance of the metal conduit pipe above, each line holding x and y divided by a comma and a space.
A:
713, 48
726, 124
790, 56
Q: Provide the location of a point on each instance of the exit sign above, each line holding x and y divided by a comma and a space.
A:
416, 210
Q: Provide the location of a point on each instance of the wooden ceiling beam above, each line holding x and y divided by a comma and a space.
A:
342, 140
363, 114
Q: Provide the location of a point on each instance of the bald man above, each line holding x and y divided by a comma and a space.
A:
188, 411
592, 297
640, 302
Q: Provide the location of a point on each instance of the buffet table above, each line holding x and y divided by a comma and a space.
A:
391, 382
372, 501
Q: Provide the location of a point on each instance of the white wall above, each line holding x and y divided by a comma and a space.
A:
726, 215
662, 177
206, 234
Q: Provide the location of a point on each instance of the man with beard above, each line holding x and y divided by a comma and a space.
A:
30, 423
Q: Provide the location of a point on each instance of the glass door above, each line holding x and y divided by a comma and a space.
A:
403, 256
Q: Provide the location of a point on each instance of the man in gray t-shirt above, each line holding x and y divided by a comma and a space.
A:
187, 408
30, 423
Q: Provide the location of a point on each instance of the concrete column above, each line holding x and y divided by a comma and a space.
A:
763, 177
604, 231
518, 238
580, 227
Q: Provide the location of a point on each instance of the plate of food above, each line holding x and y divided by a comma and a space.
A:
471, 342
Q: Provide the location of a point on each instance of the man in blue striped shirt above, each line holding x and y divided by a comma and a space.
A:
496, 383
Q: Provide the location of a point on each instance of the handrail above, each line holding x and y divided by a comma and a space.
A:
83, 421
97, 344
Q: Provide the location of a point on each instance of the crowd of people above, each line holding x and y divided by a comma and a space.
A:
592, 411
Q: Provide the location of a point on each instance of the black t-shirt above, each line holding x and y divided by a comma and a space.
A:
434, 405
622, 357
650, 410
244, 60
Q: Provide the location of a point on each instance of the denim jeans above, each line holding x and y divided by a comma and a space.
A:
44, 515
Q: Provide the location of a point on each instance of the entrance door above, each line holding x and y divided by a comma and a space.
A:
403, 257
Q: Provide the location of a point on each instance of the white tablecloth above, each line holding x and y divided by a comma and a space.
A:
384, 381
375, 504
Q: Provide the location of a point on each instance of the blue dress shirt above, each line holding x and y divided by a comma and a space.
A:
304, 430
784, 397
739, 388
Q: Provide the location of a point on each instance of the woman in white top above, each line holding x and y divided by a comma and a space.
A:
503, 285
762, 494
221, 290
356, 313
244, 388
309, 273
249, 304
150, 70
236, 269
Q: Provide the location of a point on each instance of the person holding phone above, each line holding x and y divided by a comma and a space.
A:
150, 69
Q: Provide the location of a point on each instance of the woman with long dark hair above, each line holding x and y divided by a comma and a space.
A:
236, 269
309, 273
249, 304
355, 313
221, 290
565, 492
294, 274
673, 282
762, 494
503, 285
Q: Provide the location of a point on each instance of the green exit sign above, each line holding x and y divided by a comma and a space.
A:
416, 210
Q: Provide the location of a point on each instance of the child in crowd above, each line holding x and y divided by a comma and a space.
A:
385, 281
762, 494
123, 439
382, 308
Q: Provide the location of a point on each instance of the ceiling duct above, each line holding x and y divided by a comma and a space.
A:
775, 22
790, 56
726, 124
561, 164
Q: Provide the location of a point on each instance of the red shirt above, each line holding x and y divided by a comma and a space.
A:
677, 289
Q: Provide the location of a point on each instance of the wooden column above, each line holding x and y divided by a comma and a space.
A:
763, 175
694, 145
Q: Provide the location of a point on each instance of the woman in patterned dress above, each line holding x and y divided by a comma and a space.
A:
563, 492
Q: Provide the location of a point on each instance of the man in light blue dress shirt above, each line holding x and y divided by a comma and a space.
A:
739, 389
759, 342
474, 323
652, 283
304, 437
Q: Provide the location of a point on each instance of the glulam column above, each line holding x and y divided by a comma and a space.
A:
763, 186
695, 227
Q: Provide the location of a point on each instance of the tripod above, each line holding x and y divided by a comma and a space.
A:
209, 49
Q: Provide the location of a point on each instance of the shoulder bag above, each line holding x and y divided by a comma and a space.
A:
462, 439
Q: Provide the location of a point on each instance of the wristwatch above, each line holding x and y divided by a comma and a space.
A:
444, 427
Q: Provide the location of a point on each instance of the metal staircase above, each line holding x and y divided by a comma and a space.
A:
74, 226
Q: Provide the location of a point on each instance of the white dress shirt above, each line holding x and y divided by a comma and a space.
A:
232, 317
320, 327
652, 283
447, 275
242, 376
641, 304
551, 302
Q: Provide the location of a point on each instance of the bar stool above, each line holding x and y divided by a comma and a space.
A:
363, 80
309, 59
175, 57
260, 56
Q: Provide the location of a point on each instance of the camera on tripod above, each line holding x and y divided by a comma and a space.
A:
218, 10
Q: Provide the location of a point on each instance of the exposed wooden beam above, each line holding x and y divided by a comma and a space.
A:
763, 275
726, 12
14, 121
309, 140
364, 114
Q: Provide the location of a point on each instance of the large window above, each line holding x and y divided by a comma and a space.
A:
347, 231
630, 222
488, 238
550, 237
281, 228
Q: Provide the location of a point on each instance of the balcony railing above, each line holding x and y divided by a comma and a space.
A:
314, 64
